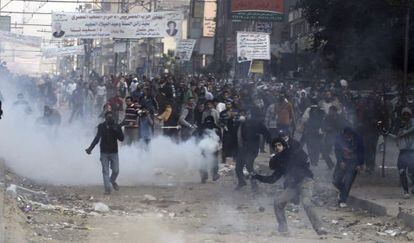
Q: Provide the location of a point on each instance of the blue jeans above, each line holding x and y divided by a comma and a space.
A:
109, 161
343, 180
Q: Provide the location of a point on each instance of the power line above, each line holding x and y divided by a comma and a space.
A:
20, 12
19, 50
28, 24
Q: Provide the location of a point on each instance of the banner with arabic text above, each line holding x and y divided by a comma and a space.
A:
185, 49
253, 46
129, 25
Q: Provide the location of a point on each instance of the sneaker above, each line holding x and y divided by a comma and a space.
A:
283, 228
406, 195
343, 205
204, 177
107, 193
216, 177
240, 186
321, 231
115, 186
255, 187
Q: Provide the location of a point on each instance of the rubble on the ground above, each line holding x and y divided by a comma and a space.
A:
226, 169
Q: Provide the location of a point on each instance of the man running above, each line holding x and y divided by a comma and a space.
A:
108, 134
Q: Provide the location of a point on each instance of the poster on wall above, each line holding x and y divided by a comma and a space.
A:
185, 49
209, 20
258, 10
132, 26
257, 66
253, 46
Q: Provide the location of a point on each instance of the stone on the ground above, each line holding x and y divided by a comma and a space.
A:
150, 197
12, 190
410, 236
100, 207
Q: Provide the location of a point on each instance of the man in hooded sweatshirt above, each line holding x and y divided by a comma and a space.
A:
293, 165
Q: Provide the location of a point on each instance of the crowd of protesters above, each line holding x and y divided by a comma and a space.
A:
327, 119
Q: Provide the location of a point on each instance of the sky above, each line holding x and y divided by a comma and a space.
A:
35, 19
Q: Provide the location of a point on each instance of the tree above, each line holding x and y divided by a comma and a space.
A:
358, 38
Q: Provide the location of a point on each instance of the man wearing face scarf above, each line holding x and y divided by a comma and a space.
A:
248, 141
109, 132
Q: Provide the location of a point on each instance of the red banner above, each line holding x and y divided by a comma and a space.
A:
261, 10
257, 5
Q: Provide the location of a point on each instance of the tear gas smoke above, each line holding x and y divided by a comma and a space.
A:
39, 154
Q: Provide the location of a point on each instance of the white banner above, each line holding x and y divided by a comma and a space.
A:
253, 46
28, 40
134, 26
185, 49
53, 51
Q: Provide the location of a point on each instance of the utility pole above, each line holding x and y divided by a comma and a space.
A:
122, 8
152, 6
125, 66
406, 49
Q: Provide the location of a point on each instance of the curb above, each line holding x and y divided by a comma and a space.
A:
371, 207
407, 218
379, 210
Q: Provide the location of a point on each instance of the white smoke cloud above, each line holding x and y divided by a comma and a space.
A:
60, 159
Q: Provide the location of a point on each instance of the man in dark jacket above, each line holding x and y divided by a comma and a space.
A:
248, 141
293, 165
312, 133
108, 134
334, 124
229, 124
349, 151
291, 142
